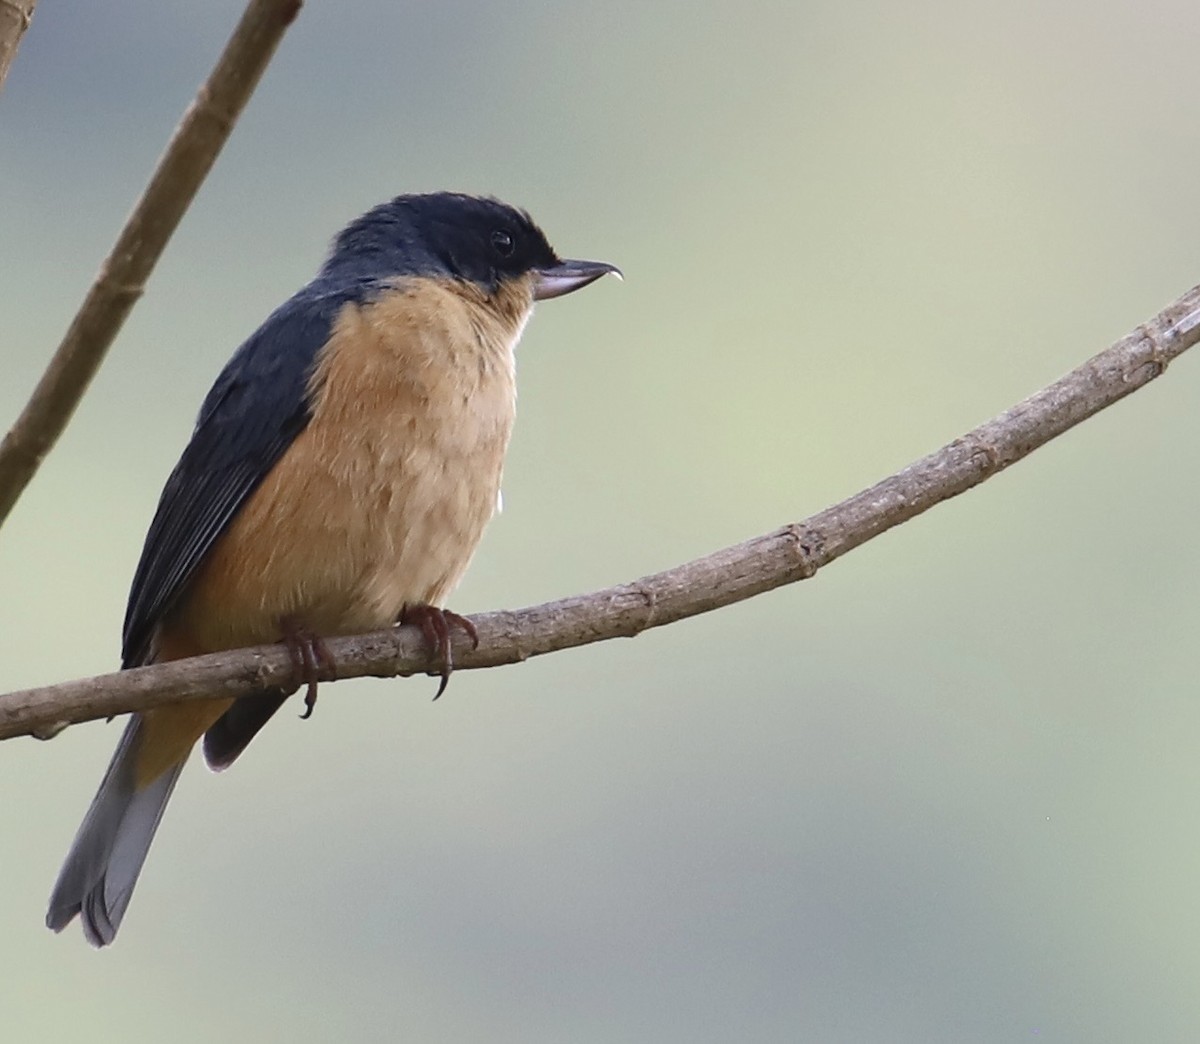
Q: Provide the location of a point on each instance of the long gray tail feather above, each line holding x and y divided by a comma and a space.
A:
107, 854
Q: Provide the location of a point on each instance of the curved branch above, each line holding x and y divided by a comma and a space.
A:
15, 16
792, 553
193, 149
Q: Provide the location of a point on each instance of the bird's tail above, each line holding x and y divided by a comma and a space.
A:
106, 857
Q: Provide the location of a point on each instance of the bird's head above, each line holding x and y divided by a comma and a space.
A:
454, 236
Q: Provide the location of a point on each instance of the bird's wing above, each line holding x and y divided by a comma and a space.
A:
258, 405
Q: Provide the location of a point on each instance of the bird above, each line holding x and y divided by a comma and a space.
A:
338, 480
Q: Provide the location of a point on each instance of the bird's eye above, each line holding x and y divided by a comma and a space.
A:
503, 242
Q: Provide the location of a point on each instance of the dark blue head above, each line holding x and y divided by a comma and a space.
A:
455, 236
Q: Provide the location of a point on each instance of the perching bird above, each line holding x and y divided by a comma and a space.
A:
338, 480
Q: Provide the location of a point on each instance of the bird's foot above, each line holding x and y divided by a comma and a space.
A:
309, 654
435, 624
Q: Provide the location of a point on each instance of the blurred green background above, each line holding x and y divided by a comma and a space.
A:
948, 791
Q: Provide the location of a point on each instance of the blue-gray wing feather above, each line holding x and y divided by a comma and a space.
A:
258, 405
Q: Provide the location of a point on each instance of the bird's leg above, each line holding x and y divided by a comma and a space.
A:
308, 653
435, 624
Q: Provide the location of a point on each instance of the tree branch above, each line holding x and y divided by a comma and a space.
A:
15, 16
193, 149
792, 553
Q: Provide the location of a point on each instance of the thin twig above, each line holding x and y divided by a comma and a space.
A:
193, 149
15, 16
792, 553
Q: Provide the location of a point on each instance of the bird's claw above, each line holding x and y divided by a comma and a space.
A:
308, 653
435, 624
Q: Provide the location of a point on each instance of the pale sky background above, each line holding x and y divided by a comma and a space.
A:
947, 791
